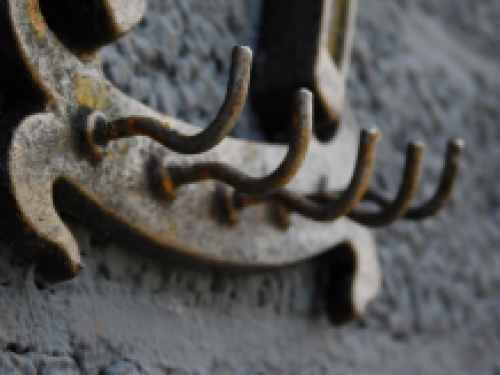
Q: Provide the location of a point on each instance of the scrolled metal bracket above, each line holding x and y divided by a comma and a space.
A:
70, 146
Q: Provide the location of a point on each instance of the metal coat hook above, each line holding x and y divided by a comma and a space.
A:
64, 106
404, 197
61, 111
318, 211
443, 192
313, 47
390, 211
97, 131
167, 180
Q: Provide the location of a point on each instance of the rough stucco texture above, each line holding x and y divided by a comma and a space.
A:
421, 70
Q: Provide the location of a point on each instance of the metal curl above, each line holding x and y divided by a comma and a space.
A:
319, 211
100, 131
174, 176
399, 206
443, 192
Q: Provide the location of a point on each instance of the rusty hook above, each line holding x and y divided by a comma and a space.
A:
99, 131
398, 207
443, 192
173, 176
319, 211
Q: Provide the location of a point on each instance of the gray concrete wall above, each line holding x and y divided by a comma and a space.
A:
421, 70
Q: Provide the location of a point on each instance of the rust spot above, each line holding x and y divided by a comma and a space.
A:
205, 175
131, 123
295, 120
173, 230
168, 185
89, 92
36, 17
62, 143
122, 147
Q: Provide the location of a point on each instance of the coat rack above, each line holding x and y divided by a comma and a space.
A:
168, 188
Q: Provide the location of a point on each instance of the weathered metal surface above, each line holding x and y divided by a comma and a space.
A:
42, 169
114, 198
85, 26
303, 43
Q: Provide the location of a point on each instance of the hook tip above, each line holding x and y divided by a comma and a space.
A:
303, 112
454, 150
416, 147
457, 144
243, 55
304, 94
304, 102
415, 154
372, 134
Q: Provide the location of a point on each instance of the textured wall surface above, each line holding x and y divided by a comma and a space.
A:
421, 70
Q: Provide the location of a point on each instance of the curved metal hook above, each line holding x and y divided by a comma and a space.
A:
443, 192
100, 132
398, 207
319, 211
174, 175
